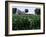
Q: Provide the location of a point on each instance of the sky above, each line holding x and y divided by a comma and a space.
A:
22, 8
31, 9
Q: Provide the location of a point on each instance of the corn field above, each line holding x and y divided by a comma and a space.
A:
25, 22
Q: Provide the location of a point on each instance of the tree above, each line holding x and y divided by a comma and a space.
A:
37, 11
26, 10
14, 10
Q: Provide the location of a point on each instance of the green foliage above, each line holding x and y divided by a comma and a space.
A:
26, 22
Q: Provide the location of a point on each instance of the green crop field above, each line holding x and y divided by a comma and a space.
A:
25, 22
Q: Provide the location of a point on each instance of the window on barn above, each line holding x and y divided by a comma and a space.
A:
26, 10
14, 10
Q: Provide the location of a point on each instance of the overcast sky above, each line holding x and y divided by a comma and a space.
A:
31, 9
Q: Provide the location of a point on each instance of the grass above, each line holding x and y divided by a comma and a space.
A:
25, 22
